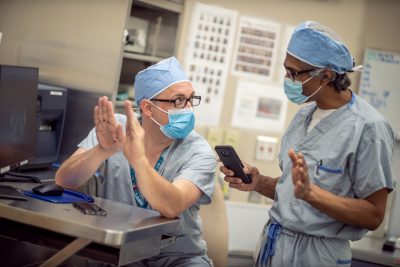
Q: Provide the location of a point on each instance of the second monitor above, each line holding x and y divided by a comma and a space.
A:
52, 105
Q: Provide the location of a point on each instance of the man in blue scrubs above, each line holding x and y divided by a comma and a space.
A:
335, 158
160, 163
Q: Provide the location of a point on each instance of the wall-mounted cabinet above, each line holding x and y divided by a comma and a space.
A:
150, 36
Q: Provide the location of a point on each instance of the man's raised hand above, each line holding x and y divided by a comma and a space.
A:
109, 133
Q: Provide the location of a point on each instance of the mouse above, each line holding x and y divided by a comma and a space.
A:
48, 190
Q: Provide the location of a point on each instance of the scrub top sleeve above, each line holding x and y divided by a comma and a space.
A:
90, 140
373, 167
200, 170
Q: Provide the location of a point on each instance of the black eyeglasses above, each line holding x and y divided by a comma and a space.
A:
292, 74
182, 101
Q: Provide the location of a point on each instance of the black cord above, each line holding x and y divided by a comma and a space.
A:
20, 177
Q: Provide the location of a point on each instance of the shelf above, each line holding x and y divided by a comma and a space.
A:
168, 5
152, 34
142, 57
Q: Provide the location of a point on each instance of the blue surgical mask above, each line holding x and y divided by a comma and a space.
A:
180, 123
294, 90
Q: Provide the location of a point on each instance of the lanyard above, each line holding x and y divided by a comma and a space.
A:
140, 200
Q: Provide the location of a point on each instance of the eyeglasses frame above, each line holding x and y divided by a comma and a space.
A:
292, 74
190, 99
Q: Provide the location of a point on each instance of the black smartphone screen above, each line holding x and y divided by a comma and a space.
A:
231, 160
89, 208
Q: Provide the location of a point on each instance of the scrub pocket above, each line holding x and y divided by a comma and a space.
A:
328, 175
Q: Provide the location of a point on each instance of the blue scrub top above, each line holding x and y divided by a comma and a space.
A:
348, 153
192, 159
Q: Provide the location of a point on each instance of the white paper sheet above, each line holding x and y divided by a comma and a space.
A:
256, 48
208, 52
260, 106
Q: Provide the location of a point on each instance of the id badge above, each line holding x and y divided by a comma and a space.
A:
260, 243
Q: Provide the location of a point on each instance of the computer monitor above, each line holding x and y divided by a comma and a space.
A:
18, 107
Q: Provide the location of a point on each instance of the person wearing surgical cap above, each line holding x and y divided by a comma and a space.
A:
159, 163
335, 158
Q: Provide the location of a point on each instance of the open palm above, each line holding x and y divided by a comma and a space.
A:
109, 133
134, 140
300, 178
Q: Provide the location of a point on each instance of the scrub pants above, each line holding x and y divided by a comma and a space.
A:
174, 261
156, 261
300, 250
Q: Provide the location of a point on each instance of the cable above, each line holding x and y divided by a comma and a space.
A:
21, 177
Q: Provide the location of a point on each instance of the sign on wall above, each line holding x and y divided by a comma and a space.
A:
380, 82
259, 106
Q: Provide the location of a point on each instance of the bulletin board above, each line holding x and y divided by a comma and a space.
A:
256, 48
380, 84
209, 49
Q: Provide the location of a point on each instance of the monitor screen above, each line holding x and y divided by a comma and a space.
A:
18, 101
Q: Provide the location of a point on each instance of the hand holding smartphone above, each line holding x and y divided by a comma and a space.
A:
231, 160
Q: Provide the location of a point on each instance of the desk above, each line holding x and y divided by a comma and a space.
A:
369, 249
136, 232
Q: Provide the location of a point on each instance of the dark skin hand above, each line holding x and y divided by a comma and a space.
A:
364, 213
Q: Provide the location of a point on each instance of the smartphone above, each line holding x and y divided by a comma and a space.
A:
89, 208
231, 160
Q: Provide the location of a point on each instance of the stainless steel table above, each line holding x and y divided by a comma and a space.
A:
136, 232
369, 249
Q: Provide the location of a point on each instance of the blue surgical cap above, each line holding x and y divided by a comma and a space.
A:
157, 78
319, 46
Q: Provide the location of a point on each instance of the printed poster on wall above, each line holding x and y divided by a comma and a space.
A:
256, 48
208, 51
259, 106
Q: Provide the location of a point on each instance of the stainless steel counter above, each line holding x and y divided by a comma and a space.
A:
137, 232
369, 249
